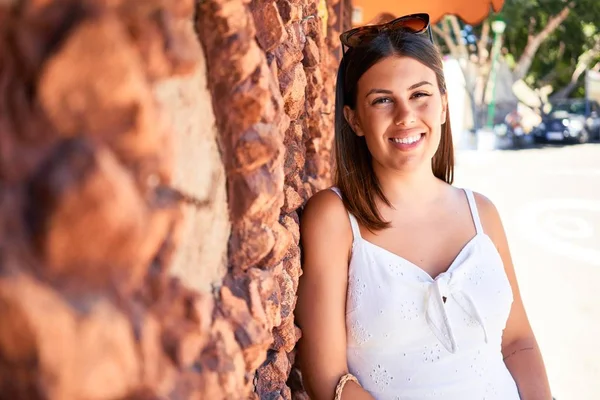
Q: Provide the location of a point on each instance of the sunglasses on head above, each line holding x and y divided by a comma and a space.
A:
414, 23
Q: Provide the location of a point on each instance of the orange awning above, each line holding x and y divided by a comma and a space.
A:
470, 11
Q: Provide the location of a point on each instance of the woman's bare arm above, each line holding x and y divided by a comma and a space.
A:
326, 239
521, 353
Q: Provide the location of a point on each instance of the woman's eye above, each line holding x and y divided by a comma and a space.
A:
420, 94
382, 100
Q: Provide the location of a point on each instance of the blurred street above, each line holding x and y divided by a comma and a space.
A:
549, 199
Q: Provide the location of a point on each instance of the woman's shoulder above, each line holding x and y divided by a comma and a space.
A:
325, 210
483, 203
325, 204
489, 215
486, 207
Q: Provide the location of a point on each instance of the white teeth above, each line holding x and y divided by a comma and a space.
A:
408, 140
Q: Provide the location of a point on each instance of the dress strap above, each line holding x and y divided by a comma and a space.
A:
474, 212
353, 221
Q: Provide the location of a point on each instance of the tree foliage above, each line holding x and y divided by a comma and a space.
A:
546, 42
558, 55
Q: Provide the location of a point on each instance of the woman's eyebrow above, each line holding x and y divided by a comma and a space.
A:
422, 83
386, 91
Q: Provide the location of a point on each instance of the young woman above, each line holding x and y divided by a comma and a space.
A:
408, 289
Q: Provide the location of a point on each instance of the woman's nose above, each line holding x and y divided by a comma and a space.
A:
404, 115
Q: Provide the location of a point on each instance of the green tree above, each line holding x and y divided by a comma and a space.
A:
546, 42
552, 41
588, 59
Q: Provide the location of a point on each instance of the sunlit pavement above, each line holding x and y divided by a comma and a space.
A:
549, 199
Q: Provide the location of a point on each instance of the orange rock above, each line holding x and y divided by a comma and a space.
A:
273, 374
294, 133
84, 353
270, 30
290, 222
88, 217
312, 56
285, 336
283, 241
293, 85
257, 146
252, 243
292, 200
289, 53
291, 11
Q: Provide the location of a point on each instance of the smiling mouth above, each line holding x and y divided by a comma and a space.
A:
408, 140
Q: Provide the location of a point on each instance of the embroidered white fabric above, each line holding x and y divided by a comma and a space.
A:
404, 342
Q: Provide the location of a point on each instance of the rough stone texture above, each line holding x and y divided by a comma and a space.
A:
89, 214
201, 259
277, 154
270, 30
150, 185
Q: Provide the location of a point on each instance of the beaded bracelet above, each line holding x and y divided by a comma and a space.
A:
340, 386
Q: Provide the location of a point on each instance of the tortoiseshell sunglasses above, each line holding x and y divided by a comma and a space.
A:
414, 23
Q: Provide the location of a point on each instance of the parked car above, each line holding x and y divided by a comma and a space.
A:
572, 120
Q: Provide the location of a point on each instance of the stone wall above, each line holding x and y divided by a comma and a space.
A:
88, 212
199, 173
274, 109
150, 184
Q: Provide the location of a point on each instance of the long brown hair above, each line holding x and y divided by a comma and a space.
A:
354, 173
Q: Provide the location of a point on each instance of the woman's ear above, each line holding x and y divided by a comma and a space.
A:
350, 116
444, 116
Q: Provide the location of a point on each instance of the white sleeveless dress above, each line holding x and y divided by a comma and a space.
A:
405, 343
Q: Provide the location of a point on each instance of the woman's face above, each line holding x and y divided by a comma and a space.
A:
399, 111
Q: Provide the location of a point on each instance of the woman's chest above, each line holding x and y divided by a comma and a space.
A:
433, 246
392, 300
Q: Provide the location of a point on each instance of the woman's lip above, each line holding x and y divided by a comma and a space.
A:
407, 146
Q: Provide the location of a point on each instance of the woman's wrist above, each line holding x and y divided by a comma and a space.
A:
342, 382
